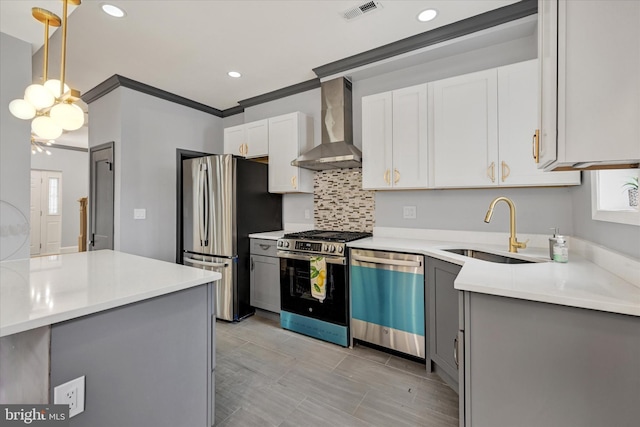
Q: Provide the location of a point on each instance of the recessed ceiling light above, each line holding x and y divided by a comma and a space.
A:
112, 10
234, 74
427, 15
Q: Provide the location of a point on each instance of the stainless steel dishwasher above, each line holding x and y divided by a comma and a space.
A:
387, 300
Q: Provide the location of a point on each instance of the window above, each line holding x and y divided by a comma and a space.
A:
54, 202
614, 196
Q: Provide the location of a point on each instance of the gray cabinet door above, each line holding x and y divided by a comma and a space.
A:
443, 316
265, 283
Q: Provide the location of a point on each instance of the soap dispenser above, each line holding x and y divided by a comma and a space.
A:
553, 240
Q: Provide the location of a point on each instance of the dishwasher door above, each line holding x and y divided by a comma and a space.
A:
387, 300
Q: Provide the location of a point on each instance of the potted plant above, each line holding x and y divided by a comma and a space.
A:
632, 186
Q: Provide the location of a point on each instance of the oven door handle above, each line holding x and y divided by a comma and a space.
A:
329, 260
385, 261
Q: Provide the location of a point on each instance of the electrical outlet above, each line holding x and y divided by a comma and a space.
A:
409, 212
139, 214
70, 393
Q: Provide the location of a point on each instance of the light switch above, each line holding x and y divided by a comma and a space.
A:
139, 214
409, 212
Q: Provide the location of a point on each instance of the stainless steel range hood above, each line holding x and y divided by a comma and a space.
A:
336, 149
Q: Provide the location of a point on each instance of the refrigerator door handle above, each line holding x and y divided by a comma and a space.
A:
207, 207
199, 198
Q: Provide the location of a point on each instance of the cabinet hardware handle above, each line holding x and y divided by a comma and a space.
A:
536, 146
455, 351
506, 171
241, 148
396, 175
491, 172
293, 182
251, 263
386, 177
246, 149
264, 247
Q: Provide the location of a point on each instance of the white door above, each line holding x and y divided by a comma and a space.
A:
546, 153
283, 148
466, 130
257, 139
517, 118
46, 212
234, 140
377, 141
410, 154
35, 212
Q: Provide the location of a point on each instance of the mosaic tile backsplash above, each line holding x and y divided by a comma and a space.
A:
340, 203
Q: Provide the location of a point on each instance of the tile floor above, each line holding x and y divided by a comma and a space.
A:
267, 376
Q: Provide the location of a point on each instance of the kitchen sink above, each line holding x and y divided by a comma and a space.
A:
487, 256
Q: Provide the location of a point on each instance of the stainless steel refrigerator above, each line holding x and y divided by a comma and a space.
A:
225, 198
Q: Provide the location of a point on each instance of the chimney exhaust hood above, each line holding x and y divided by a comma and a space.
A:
336, 149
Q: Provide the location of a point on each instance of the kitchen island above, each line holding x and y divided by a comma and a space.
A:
141, 331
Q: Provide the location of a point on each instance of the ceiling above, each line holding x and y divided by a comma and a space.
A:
187, 47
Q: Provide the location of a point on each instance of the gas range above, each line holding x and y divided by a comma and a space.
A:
320, 242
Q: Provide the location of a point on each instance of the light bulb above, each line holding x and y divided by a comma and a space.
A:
48, 152
22, 109
44, 127
68, 116
427, 15
39, 149
54, 86
33, 150
39, 96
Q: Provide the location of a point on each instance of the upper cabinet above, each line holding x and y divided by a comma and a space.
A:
289, 136
465, 130
394, 139
590, 83
482, 129
249, 140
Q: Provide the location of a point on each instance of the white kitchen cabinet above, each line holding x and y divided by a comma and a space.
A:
394, 139
517, 119
482, 129
590, 81
465, 130
249, 140
289, 136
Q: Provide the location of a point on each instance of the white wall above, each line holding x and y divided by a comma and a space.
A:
15, 153
74, 166
147, 131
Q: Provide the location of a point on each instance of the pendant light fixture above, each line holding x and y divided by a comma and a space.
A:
50, 105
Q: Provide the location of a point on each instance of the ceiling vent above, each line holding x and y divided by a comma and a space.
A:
361, 9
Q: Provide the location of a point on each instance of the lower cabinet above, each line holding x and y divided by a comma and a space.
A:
535, 364
442, 303
265, 275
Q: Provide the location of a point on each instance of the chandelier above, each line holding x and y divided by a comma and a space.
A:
40, 147
51, 105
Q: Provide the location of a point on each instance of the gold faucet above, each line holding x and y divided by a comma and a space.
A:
514, 245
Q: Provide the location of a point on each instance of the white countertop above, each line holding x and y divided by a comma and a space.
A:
51, 289
268, 235
578, 283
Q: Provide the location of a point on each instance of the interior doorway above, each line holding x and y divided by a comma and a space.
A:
46, 212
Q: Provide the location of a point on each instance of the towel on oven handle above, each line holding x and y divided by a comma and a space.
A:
318, 278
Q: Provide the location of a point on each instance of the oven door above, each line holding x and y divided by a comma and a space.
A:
295, 288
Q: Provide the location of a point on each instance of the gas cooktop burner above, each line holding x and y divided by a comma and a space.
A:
328, 236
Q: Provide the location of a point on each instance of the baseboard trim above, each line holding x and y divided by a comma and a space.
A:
68, 250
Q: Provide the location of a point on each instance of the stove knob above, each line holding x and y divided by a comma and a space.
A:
279, 243
340, 249
325, 248
286, 244
332, 248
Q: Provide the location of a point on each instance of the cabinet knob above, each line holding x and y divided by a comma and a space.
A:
491, 172
506, 171
536, 146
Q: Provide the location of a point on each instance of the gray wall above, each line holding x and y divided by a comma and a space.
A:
147, 131
621, 237
74, 166
15, 153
